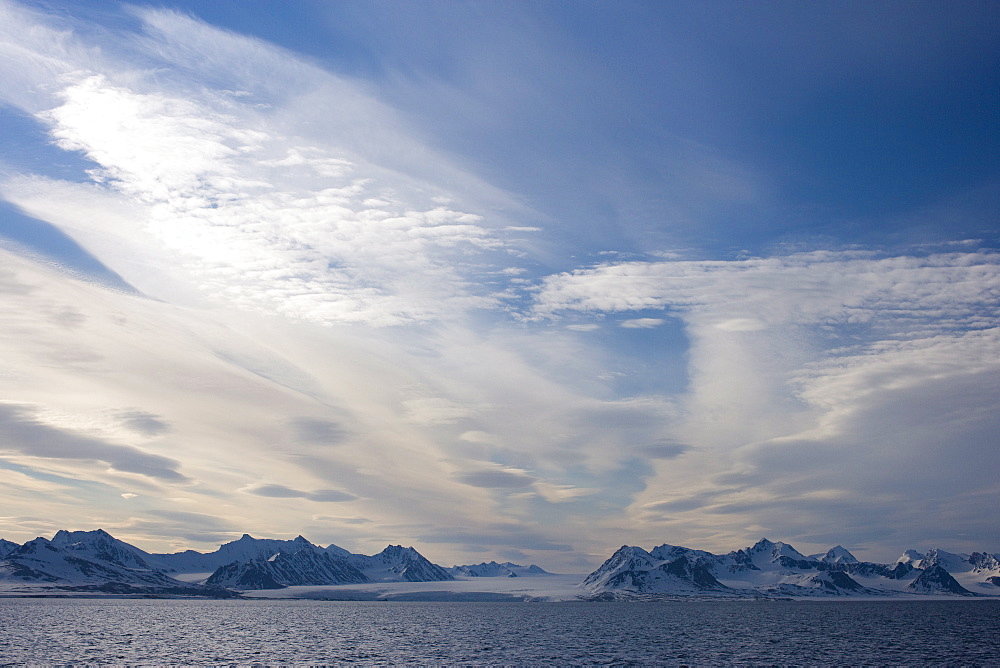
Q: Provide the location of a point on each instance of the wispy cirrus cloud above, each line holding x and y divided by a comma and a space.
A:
259, 208
304, 233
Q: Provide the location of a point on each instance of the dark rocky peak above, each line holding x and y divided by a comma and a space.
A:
7, 546
693, 571
667, 552
934, 557
102, 546
838, 580
488, 569
627, 564
671, 552
286, 568
403, 563
742, 560
868, 569
900, 570
33, 547
980, 561
64, 537
629, 557
839, 555
936, 579
244, 576
398, 552
337, 551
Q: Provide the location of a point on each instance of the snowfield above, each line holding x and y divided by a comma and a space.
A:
550, 587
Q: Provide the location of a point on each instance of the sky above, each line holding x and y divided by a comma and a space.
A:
507, 280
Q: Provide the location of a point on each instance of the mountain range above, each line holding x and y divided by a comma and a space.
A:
96, 563
495, 570
774, 569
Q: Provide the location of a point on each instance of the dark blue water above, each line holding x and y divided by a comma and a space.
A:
34, 631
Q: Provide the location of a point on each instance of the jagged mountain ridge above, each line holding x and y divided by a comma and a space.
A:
6, 547
836, 555
772, 569
84, 559
396, 563
254, 563
99, 545
491, 569
92, 562
323, 565
283, 569
246, 548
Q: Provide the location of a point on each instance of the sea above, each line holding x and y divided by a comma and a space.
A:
674, 633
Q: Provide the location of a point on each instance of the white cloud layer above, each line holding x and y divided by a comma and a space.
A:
262, 211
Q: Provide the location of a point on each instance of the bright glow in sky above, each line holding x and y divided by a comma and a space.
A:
513, 281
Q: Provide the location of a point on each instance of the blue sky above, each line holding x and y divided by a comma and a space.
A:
521, 281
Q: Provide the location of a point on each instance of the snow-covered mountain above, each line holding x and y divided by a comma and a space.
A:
632, 571
101, 546
296, 562
978, 572
283, 569
765, 555
98, 562
246, 549
397, 563
775, 569
836, 555
492, 569
7, 546
88, 561
307, 564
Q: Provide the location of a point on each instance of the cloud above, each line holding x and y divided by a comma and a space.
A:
496, 478
23, 430
322, 298
261, 231
818, 288
144, 423
275, 491
259, 208
642, 323
562, 493
664, 450
741, 325
173, 529
492, 534
316, 430
806, 374
479, 437
435, 410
